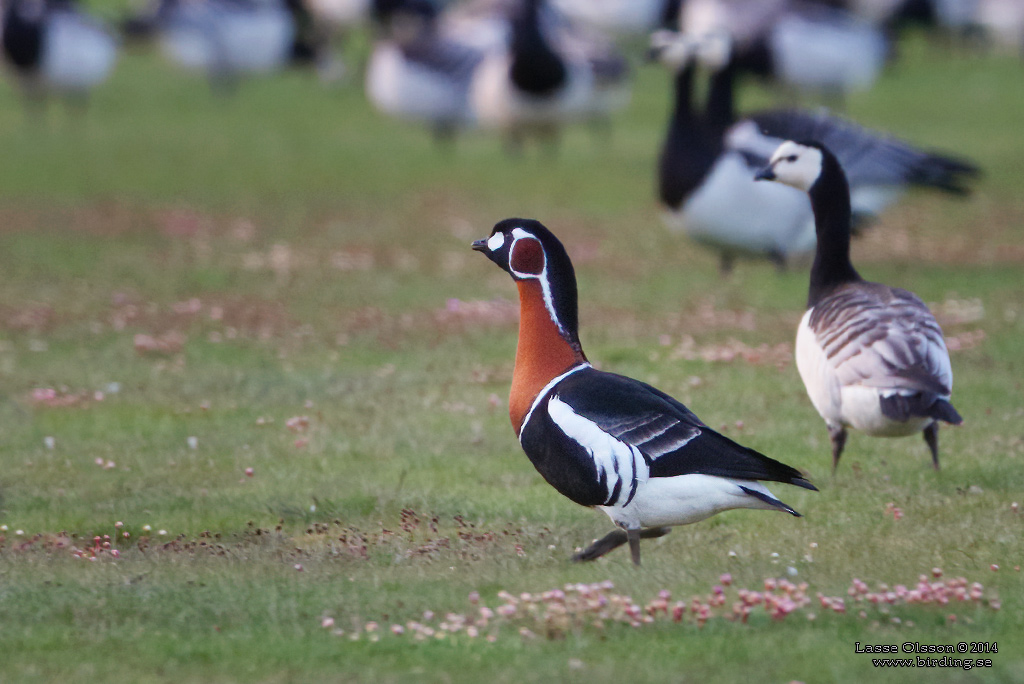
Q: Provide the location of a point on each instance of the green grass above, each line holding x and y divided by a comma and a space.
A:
322, 244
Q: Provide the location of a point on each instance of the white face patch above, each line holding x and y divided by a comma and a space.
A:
796, 165
495, 242
715, 49
673, 49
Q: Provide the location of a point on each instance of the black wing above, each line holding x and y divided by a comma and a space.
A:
868, 157
671, 438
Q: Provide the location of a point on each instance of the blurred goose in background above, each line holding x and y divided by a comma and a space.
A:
310, 44
998, 23
415, 72
622, 16
226, 38
1003, 22
546, 73
708, 161
809, 47
872, 357
893, 13
329, 23
53, 47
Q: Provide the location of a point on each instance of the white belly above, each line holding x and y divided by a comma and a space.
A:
405, 89
618, 16
862, 410
685, 499
77, 54
818, 376
827, 55
340, 12
856, 406
732, 210
497, 103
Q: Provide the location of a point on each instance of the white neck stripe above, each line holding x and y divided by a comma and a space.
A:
547, 388
542, 277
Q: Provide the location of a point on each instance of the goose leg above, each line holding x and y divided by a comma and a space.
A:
931, 438
725, 264
779, 259
444, 134
614, 540
513, 142
633, 534
838, 436
550, 137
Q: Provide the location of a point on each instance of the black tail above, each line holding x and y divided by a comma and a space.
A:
771, 501
944, 173
715, 454
923, 404
943, 410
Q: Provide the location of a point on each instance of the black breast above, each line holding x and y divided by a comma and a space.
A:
23, 35
562, 461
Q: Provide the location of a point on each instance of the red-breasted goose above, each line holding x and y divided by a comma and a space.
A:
605, 440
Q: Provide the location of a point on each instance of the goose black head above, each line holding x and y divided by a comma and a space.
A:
802, 165
536, 68
715, 50
528, 251
798, 165
811, 167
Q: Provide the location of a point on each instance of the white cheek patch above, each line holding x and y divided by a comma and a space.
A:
801, 172
495, 242
807, 167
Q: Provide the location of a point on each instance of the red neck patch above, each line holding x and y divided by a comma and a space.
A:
527, 257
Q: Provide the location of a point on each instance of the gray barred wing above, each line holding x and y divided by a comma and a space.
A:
882, 337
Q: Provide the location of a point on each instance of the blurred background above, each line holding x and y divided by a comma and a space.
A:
237, 293
203, 175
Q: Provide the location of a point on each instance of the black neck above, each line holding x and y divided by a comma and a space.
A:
564, 294
720, 110
830, 201
536, 68
682, 105
688, 152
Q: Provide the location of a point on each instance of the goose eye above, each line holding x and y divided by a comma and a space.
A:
495, 242
791, 158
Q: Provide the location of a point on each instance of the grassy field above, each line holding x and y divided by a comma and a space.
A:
247, 340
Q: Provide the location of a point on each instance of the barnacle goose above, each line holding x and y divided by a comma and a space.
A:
226, 38
806, 46
53, 47
622, 16
708, 161
605, 440
417, 72
546, 74
872, 357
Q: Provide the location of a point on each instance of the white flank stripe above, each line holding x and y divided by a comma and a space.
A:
620, 462
543, 393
